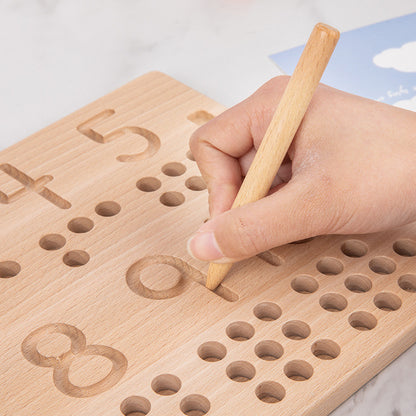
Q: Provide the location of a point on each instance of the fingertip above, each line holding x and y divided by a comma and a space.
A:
204, 246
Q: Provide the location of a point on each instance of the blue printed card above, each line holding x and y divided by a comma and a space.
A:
376, 61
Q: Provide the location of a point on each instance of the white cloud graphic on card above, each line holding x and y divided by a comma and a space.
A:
402, 59
407, 104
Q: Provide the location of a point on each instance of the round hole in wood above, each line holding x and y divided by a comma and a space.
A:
52, 242
195, 183
387, 301
405, 248
166, 384
329, 266
240, 331
173, 169
9, 269
107, 208
296, 330
363, 321
80, 225
172, 199
298, 370
195, 405
212, 351
382, 265
325, 349
190, 156
358, 283
333, 302
148, 184
268, 350
135, 406
267, 311
270, 392
354, 248
241, 371
304, 284
407, 282
76, 258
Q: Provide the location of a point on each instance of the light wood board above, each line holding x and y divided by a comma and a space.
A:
102, 311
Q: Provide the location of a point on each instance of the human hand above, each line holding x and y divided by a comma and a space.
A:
351, 168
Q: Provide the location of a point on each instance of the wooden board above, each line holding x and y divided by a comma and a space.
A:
102, 311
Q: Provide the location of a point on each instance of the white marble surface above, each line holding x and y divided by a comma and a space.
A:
59, 55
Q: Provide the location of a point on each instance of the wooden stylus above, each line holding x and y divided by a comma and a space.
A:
283, 127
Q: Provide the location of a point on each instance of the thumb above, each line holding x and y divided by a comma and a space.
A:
292, 213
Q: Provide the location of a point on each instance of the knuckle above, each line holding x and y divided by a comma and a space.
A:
276, 84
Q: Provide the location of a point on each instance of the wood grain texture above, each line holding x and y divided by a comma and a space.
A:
102, 311
283, 126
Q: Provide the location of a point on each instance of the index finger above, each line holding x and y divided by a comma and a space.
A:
218, 145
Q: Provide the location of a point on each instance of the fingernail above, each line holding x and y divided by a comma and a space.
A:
204, 246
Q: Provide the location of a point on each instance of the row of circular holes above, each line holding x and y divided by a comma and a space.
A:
76, 258
335, 302
171, 198
241, 371
192, 405
73, 258
298, 370
331, 266
357, 248
79, 225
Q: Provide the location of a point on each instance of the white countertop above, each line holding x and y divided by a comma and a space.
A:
59, 55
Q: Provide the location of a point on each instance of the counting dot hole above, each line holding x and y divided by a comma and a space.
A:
325, 349
304, 284
212, 351
195, 183
354, 248
241, 371
172, 199
407, 282
298, 370
108, 208
333, 302
270, 392
358, 283
405, 248
9, 269
267, 311
166, 384
382, 265
135, 406
173, 169
190, 156
80, 225
76, 258
296, 330
330, 266
363, 321
148, 184
52, 242
240, 331
387, 301
268, 350
195, 405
